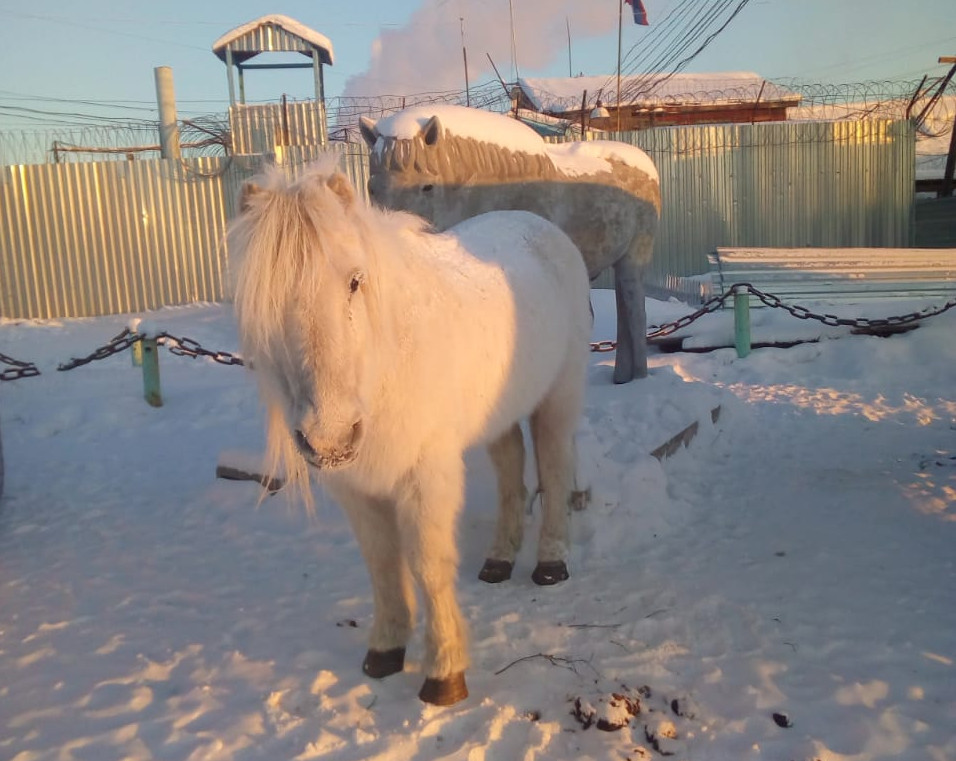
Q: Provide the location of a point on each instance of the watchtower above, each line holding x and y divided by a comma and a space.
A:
260, 128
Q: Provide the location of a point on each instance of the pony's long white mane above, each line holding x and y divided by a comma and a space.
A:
280, 247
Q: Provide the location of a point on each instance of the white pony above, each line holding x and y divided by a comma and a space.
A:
383, 351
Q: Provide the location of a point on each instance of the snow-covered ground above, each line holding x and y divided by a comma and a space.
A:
781, 589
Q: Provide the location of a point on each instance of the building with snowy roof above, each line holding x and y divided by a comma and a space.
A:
656, 100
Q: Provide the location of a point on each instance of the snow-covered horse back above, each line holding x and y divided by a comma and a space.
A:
448, 163
382, 351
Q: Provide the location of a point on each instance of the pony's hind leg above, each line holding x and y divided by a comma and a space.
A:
428, 508
375, 526
631, 359
552, 428
507, 456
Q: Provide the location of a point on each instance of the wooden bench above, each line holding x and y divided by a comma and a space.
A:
798, 275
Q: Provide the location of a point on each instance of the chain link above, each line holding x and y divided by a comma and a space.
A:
17, 369
187, 347
117, 344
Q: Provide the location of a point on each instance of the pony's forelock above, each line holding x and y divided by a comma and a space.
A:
274, 245
280, 257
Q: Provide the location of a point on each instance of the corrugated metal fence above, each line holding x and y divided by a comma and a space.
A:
785, 184
110, 237
107, 237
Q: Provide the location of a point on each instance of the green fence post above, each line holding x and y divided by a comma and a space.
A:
136, 352
742, 322
151, 373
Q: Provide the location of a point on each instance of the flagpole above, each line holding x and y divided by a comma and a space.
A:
620, 19
567, 23
514, 44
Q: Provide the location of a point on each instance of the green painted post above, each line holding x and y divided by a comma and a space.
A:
151, 373
137, 354
742, 322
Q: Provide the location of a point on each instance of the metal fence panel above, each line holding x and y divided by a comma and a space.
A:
92, 238
785, 184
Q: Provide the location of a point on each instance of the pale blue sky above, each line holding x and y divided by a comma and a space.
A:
57, 52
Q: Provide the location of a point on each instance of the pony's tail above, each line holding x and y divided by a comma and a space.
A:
284, 462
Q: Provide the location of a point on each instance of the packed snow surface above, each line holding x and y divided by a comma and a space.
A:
782, 588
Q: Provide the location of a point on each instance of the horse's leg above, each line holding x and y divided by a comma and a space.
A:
507, 455
375, 526
552, 428
631, 359
428, 510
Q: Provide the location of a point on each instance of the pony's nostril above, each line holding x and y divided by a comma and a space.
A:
303, 443
356, 433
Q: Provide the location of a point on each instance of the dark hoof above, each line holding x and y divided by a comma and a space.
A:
550, 572
379, 664
495, 571
444, 692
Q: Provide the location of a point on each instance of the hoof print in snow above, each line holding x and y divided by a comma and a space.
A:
782, 720
683, 707
659, 736
611, 713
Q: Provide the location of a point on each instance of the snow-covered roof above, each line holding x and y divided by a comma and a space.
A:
273, 33
560, 94
498, 129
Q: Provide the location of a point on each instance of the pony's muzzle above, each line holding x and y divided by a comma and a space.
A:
330, 455
302, 442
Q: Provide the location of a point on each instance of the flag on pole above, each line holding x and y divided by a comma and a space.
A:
640, 14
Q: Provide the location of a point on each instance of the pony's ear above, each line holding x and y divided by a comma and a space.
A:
247, 194
369, 131
432, 131
339, 184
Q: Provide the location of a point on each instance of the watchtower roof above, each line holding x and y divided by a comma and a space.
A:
274, 33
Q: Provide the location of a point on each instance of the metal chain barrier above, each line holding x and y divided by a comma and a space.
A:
17, 369
187, 347
659, 331
117, 344
800, 312
183, 347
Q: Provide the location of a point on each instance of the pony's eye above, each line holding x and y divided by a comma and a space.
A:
356, 282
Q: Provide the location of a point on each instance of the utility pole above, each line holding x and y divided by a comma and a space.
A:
168, 124
620, 24
947, 189
464, 55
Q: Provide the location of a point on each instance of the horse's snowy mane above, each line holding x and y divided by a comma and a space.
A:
281, 246
458, 159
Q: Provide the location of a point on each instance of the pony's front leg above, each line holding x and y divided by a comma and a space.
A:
375, 525
631, 360
427, 514
507, 455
